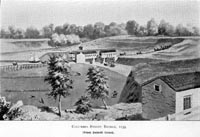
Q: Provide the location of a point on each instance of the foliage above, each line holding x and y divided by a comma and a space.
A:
15, 113
62, 40
152, 27
132, 27
32, 32
99, 30
98, 87
59, 77
4, 107
83, 105
47, 31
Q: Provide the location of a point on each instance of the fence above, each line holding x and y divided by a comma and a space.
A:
21, 67
189, 114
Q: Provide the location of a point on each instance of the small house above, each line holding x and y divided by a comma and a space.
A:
170, 94
164, 95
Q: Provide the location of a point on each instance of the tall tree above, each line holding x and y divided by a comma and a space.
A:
132, 27
47, 31
152, 27
12, 31
88, 31
59, 77
32, 32
98, 87
99, 30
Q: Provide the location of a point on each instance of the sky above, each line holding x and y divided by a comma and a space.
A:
26, 13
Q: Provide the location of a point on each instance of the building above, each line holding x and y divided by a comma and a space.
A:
83, 56
108, 53
92, 55
164, 95
170, 94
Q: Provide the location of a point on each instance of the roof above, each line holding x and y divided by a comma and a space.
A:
107, 50
180, 82
84, 51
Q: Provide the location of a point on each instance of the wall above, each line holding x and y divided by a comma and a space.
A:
80, 58
157, 104
195, 93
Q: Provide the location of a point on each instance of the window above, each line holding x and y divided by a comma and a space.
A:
157, 88
186, 102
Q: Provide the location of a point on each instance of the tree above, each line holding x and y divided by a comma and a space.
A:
4, 107
19, 33
164, 28
142, 31
12, 31
32, 32
113, 29
99, 30
132, 27
47, 31
59, 30
88, 31
152, 27
83, 105
98, 87
3, 33
59, 77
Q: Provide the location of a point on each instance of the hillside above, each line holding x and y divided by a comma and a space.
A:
23, 84
182, 47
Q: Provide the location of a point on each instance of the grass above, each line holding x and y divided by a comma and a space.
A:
21, 87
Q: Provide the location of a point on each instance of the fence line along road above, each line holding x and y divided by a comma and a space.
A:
21, 67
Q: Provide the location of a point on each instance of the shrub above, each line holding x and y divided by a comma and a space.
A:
4, 107
83, 105
15, 113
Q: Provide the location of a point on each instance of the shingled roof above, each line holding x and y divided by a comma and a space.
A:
180, 82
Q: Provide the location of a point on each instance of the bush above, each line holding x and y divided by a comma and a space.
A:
15, 113
83, 105
4, 107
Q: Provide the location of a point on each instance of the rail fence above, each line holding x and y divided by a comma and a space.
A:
20, 67
189, 114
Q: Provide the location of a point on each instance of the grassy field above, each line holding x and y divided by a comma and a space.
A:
23, 50
19, 86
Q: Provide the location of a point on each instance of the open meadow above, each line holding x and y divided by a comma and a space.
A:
29, 86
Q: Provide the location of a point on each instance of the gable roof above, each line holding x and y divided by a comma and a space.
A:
180, 82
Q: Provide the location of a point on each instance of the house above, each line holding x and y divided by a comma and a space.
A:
108, 53
92, 55
82, 56
164, 95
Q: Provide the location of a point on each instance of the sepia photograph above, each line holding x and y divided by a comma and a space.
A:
102, 60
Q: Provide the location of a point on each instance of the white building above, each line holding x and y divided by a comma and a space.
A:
82, 56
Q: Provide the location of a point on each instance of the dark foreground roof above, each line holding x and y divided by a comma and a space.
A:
180, 82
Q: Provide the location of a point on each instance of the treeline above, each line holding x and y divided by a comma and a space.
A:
99, 30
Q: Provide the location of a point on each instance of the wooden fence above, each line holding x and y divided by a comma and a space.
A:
188, 114
21, 67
